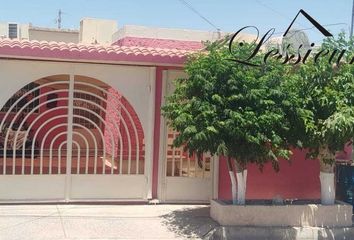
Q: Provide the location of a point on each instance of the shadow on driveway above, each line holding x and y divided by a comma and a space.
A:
190, 222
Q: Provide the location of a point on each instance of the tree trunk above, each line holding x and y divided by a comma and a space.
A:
241, 175
327, 160
233, 180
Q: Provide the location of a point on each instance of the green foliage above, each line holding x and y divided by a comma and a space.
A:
327, 93
254, 114
341, 42
234, 110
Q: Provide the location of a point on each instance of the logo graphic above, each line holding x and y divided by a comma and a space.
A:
313, 21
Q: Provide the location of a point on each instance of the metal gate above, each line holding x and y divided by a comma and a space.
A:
345, 183
67, 137
185, 178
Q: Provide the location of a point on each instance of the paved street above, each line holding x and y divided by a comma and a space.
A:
104, 221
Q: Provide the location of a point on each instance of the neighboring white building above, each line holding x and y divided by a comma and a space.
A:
92, 31
14, 30
97, 31
105, 32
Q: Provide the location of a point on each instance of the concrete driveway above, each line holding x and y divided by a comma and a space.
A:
104, 221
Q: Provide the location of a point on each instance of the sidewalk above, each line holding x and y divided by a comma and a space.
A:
104, 222
99, 221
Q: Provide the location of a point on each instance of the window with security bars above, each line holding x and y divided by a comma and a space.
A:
24, 100
89, 109
13, 29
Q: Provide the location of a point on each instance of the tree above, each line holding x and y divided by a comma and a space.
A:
229, 109
327, 124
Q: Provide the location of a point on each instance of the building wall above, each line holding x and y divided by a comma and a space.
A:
97, 31
23, 31
68, 36
3, 30
296, 180
164, 33
177, 35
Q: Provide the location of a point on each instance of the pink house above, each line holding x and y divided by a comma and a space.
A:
82, 122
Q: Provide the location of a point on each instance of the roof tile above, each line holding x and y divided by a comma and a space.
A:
80, 52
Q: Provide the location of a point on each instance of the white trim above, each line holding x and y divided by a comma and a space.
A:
29, 201
69, 138
162, 144
149, 154
206, 202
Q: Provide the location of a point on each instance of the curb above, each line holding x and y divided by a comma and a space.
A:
279, 233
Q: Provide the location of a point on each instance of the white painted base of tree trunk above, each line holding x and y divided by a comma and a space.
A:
241, 187
233, 187
328, 192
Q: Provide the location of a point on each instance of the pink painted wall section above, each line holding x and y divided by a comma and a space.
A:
300, 180
159, 43
157, 124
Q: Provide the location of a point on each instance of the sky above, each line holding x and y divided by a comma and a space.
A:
228, 15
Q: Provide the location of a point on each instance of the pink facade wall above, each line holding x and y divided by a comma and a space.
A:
299, 179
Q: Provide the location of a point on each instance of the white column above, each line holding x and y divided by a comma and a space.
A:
149, 154
69, 144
